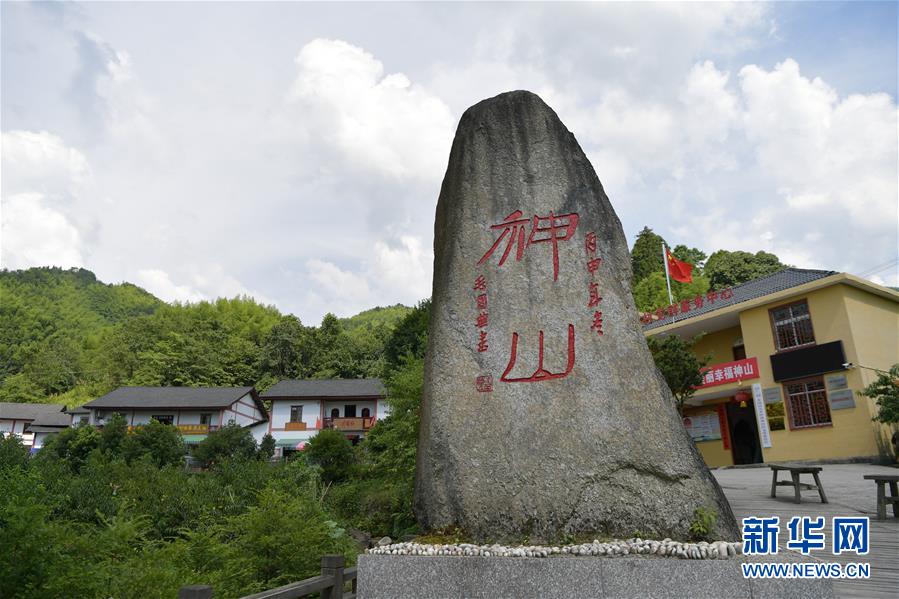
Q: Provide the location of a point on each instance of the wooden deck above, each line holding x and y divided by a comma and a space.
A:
748, 490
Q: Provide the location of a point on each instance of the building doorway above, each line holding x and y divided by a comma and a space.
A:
744, 433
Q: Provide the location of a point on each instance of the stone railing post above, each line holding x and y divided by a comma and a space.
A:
195, 591
332, 565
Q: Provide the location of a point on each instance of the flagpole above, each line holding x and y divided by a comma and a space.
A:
667, 277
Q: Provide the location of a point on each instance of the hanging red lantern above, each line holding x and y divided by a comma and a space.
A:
742, 397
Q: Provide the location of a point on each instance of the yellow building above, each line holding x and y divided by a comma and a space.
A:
789, 353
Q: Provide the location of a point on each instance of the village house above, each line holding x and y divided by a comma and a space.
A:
196, 411
46, 425
790, 353
19, 418
301, 408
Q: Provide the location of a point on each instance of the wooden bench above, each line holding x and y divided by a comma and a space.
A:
882, 498
795, 470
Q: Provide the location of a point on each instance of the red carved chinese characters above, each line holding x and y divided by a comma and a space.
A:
484, 383
595, 298
597, 323
593, 265
544, 229
540, 374
590, 243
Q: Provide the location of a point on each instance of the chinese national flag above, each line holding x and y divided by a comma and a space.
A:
678, 269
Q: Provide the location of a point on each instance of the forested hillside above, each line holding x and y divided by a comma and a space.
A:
67, 337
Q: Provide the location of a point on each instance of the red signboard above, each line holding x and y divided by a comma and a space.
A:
729, 372
722, 423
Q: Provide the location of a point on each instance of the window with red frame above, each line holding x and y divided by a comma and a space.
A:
792, 326
808, 403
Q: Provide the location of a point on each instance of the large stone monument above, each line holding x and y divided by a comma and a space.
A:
543, 413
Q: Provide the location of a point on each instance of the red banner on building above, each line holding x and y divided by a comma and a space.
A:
722, 423
729, 372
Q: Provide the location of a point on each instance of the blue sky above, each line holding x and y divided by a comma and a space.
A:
294, 152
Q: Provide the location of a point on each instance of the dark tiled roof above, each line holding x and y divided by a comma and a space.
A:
54, 419
170, 397
750, 290
78, 410
28, 411
327, 388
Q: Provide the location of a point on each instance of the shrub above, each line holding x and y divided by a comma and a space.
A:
333, 452
266, 447
281, 540
113, 435
161, 443
13, 452
703, 522
72, 446
231, 441
885, 392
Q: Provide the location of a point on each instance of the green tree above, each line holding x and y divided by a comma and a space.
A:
652, 291
266, 447
287, 349
726, 269
410, 337
646, 255
161, 443
281, 540
13, 452
333, 452
885, 392
679, 364
391, 445
232, 441
694, 256
72, 446
113, 435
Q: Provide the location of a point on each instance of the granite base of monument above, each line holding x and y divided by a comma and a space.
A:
407, 576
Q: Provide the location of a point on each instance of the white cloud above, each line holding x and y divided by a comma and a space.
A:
35, 235
41, 162
406, 267
159, 283
313, 181
43, 179
385, 123
823, 151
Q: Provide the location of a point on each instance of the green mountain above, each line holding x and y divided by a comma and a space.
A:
44, 307
67, 337
388, 316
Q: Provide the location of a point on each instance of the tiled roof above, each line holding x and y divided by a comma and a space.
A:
170, 397
750, 290
53, 419
28, 411
327, 388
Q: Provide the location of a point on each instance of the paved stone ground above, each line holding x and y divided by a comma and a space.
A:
749, 490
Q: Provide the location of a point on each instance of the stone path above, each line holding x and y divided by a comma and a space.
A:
749, 489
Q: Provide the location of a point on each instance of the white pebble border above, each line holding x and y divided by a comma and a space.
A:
636, 546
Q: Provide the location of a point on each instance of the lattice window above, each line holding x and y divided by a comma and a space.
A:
792, 326
808, 403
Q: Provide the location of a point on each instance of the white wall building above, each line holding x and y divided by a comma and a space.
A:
196, 411
17, 418
300, 409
